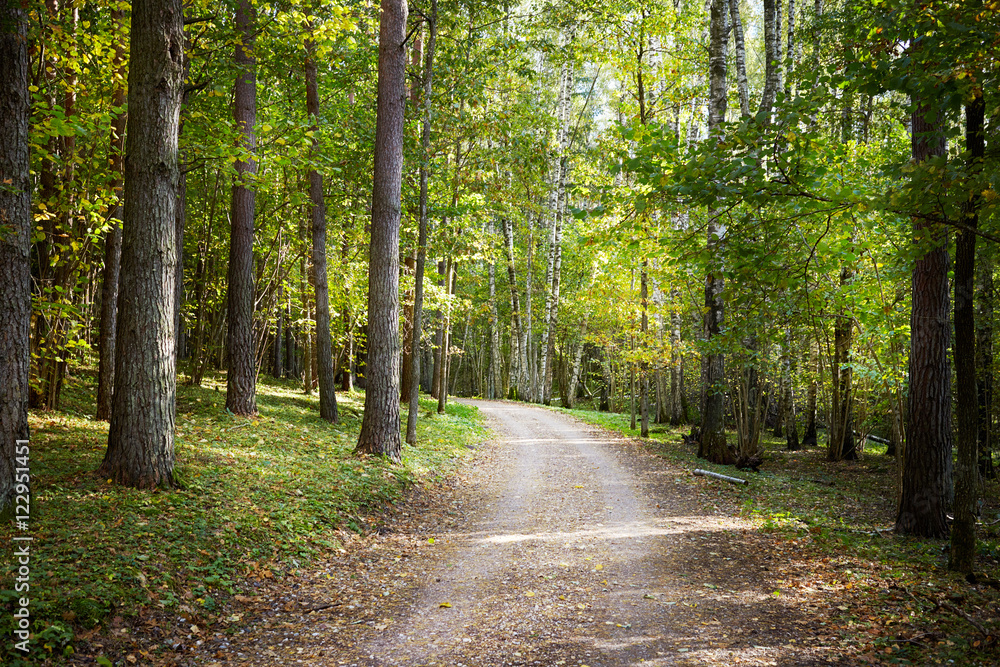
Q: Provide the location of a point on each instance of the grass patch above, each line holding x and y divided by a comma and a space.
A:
830, 526
261, 496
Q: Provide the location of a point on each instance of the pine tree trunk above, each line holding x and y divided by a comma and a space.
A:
141, 434
926, 477
241, 376
380, 424
15, 245
324, 344
967, 483
112, 242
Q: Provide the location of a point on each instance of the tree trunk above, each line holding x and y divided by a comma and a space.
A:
713, 444
241, 376
788, 416
324, 344
926, 476
984, 359
418, 289
406, 379
519, 356
449, 290
809, 439
677, 417
112, 241
15, 245
644, 367
842, 445
741, 59
493, 375
141, 434
380, 424
963, 530
772, 57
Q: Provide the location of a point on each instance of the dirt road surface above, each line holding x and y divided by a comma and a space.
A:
560, 545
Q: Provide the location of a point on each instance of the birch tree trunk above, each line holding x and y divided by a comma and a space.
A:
772, 57
519, 355
741, 59
713, 444
493, 376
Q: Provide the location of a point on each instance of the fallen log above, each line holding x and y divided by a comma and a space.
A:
707, 473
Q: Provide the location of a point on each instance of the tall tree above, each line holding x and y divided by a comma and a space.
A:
963, 530
324, 346
241, 375
926, 478
141, 435
418, 289
15, 234
113, 239
380, 424
713, 444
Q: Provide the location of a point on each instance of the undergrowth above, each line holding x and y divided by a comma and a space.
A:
261, 496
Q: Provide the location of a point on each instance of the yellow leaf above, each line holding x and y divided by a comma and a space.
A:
446, 605
598, 567
529, 594
578, 486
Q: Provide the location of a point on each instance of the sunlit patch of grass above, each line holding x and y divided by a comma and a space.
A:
266, 492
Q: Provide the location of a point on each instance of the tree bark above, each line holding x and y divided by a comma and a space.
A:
967, 483
141, 434
324, 344
984, 359
772, 57
380, 424
713, 444
741, 59
112, 241
15, 245
519, 356
241, 376
926, 477
449, 287
418, 289
644, 367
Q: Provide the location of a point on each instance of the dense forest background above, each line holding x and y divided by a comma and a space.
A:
738, 216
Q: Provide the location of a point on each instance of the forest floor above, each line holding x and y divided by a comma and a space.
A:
562, 543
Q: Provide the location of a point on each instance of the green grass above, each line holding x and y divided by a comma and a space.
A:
260, 495
904, 603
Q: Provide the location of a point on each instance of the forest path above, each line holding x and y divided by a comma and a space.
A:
563, 545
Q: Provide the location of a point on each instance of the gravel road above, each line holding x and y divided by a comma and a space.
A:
560, 544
